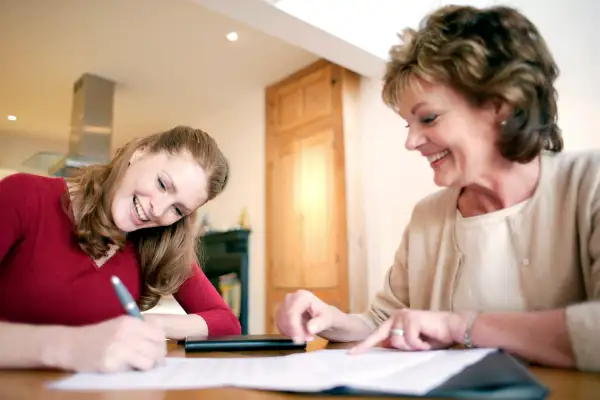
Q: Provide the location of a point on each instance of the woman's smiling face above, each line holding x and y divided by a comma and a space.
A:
157, 190
457, 138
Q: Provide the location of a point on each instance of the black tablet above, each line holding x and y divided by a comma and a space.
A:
241, 343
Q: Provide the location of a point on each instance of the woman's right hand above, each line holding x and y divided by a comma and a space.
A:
303, 315
119, 344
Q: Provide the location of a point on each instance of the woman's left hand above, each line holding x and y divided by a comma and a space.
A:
414, 330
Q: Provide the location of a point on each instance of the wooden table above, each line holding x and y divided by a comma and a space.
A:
563, 384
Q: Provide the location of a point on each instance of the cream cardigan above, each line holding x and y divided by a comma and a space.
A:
556, 236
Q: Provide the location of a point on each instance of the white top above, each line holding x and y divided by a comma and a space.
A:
488, 275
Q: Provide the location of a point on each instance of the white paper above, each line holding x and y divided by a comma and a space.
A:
379, 370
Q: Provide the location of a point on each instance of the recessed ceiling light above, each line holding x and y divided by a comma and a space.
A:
12, 118
232, 36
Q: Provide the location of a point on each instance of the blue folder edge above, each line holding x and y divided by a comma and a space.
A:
497, 376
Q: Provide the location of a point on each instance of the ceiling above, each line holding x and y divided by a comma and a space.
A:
170, 59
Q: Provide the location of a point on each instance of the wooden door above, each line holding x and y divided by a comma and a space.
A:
306, 203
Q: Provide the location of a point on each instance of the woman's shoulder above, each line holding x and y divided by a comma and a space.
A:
23, 186
436, 204
27, 180
573, 156
572, 159
580, 167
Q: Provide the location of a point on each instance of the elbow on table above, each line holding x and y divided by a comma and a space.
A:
224, 323
583, 323
236, 326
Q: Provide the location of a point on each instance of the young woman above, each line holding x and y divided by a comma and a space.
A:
508, 253
61, 240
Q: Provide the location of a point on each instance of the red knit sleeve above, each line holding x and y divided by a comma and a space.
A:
198, 296
16, 209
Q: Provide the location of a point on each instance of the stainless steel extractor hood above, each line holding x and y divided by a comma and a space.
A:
90, 138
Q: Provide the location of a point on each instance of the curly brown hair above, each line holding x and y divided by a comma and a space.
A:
493, 53
166, 253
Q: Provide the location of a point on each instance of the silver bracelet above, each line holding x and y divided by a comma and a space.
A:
468, 340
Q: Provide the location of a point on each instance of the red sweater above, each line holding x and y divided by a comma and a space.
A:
45, 277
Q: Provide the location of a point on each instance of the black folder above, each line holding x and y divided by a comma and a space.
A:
496, 376
242, 343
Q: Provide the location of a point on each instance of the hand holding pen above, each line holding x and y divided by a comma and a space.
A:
127, 301
118, 344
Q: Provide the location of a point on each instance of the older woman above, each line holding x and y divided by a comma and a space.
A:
508, 253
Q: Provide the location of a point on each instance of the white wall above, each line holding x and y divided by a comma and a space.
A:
16, 147
240, 132
394, 180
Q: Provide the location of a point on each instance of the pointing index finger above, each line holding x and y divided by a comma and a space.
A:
380, 334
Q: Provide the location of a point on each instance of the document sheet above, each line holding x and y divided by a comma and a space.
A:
379, 370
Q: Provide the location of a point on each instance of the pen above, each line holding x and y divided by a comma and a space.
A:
125, 298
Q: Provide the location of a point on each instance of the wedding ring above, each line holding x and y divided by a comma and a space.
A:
398, 332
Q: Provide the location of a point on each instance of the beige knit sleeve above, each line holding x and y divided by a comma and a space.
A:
583, 324
583, 320
394, 294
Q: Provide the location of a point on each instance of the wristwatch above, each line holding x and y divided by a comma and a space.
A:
468, 340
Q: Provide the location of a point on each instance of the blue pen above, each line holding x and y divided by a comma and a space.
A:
125, 298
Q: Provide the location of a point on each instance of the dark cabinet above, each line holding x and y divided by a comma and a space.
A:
222, 253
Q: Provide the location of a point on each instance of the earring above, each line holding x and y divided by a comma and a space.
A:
503, 123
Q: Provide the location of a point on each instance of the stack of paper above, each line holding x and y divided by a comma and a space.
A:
380, 370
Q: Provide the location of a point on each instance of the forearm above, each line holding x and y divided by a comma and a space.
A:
346, 328
177, 327
541, 337
30, 346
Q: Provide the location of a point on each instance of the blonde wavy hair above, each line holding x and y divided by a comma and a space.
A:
493, 53
166, 253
